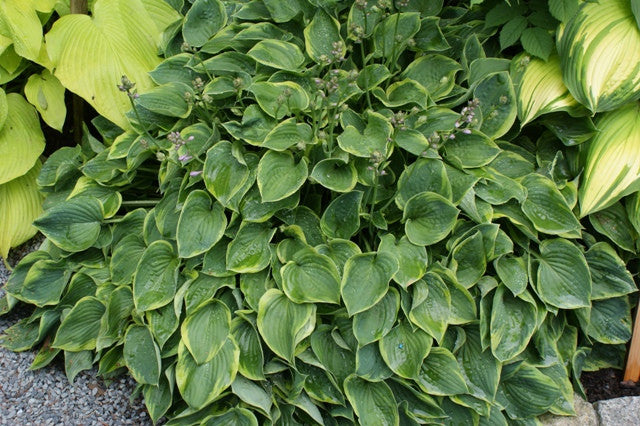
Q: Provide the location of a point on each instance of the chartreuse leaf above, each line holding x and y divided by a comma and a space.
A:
322, 38
513, 322
600, 60
373, 402
79, 329
4, 108
201, 224
525, 392
22, 25
279, 176
203, 20
341, 219
310, 277
373, 139
224, 174
21, 140
205, 330
20, 205
122, 37
280, 99
366, 280
609, 275
142, 356
411, 258
335, 174
440, 374
283, 323
428, 218
612, 168
277, 54
374, 323
72, 225
46, 93
404, 349
545, 206
156, 278
563, 279
201, 384
249, 251
431, 305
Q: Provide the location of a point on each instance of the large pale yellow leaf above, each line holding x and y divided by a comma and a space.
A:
20, 205
612, 163
91, 54
21, 140
21, 19
45, 92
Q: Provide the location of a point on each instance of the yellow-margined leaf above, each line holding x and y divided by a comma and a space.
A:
21, 140
539, 87
46, 93
91, 54
612, 162
20, 204
599, 49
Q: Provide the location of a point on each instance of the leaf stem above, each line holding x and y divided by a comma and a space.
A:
140, 203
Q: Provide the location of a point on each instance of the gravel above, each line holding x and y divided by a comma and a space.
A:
45, 396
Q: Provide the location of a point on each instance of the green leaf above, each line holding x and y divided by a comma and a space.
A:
546, 208
201, 384
20, 205
614, 223
513, 273
287, 134
526, 392
44, 283
390, 37
411, 258
373, 402
169, 99
125, 257
45, 92
117, 315
513, 322
251, 356
563, 10
537, 41
468, 259
156, 278
142, 355
374, 323
498, 104
610, 277
252, 394
280, 99
224, 174
564, 279
205, 330
158, 399
201, 224
440, 374
123, 38
79, 329
72, 225
249, 251
311, 278
436, 73
234, 417
479, 367
609, 321
335, 174
279, 176
431, 305
471, 150
373, 139
366, 280
203, 20
428, 218
404, 349
425, 174
322, 39
283, 323
511, 31
277, 54
21, 140
341, 219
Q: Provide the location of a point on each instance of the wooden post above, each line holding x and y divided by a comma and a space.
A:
632, 371
80, 7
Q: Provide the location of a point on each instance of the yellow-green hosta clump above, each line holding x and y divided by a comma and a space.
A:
612, 167
600, 55
539, 87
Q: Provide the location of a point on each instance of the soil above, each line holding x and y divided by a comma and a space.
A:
606, 384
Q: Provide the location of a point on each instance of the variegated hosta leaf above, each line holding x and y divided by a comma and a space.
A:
122, 36
612, 162
600, 55
539, 87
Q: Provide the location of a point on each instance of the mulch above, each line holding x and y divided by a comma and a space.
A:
607, 384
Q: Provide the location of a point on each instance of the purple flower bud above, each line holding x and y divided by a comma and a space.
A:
185, 157
467, 131
195, 173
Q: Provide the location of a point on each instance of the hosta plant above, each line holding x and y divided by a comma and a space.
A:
323, 213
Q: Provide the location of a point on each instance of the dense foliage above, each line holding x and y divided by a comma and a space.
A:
333, 211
